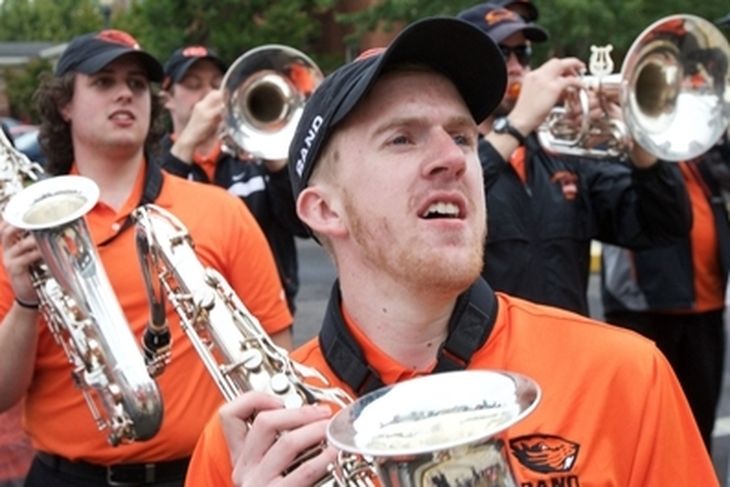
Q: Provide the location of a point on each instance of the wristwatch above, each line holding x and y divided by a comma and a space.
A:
502, 126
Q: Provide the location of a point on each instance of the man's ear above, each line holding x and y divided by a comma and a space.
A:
63, 111
165, 96
318, 208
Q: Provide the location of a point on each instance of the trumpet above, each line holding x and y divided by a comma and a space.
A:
264, 93
672, 91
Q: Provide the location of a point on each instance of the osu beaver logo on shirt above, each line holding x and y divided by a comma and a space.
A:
568, 183
545, 453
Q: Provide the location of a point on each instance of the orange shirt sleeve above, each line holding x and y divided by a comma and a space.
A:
669, 450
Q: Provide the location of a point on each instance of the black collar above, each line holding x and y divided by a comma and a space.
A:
469, 327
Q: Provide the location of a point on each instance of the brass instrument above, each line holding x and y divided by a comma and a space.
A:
673, 91
264, 92
240, 357
76, 298
441, 429
233, 345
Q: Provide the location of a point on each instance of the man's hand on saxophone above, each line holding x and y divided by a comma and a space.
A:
264, 439
20, 250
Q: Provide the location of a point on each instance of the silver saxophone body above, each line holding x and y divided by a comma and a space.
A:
417, 433
77, 300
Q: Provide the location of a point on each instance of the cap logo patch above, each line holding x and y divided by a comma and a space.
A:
308, 140
195, 51
500, 15
118, 37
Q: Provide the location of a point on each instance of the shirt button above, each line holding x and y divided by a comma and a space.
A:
115, 227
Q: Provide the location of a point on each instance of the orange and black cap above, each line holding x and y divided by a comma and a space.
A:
500, 23
183, 58
89, 53
456, 49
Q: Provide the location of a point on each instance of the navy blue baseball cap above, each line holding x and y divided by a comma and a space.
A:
183, 58
89, 53
462, 53
499, 23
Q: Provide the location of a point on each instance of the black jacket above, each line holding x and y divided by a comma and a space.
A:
268, 196
662, 278
539, 234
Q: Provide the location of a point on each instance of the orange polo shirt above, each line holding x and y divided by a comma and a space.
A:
226, 238
612, 411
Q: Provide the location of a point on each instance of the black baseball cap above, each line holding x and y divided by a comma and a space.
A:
183, 58
499, 23
471, 60
89, 53
525, 8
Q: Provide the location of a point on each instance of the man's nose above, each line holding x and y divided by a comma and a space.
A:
447, 157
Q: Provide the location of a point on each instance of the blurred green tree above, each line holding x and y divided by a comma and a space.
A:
233, 27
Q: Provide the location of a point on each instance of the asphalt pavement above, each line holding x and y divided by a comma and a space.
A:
317, 274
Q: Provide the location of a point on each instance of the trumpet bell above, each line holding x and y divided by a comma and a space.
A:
264, 93
678, 102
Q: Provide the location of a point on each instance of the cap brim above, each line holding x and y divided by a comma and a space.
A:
468, 57
95, 63
532, 33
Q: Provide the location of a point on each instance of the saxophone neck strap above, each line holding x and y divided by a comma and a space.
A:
469, 327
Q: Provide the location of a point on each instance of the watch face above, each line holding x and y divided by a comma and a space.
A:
500, 125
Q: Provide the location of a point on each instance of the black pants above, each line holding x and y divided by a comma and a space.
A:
50, 471
695, 346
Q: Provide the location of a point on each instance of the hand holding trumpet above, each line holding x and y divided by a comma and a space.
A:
200, 131
542, 89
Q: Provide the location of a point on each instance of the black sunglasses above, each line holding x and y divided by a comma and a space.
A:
523, 53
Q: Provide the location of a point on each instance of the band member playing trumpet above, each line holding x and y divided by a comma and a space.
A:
98, 118
387, 175
544, 210
194, 99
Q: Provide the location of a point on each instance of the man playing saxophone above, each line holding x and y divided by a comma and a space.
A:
98, 117
387, 175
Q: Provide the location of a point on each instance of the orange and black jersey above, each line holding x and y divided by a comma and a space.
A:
612, 411
539, 231
267, 194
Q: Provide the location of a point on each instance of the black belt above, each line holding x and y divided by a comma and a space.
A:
120, 474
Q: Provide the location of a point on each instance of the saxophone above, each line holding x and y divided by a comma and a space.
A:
395, 436
76, 298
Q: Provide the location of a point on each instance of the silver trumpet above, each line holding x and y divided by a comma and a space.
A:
264, 93
78, 302
405, 435
673, 92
